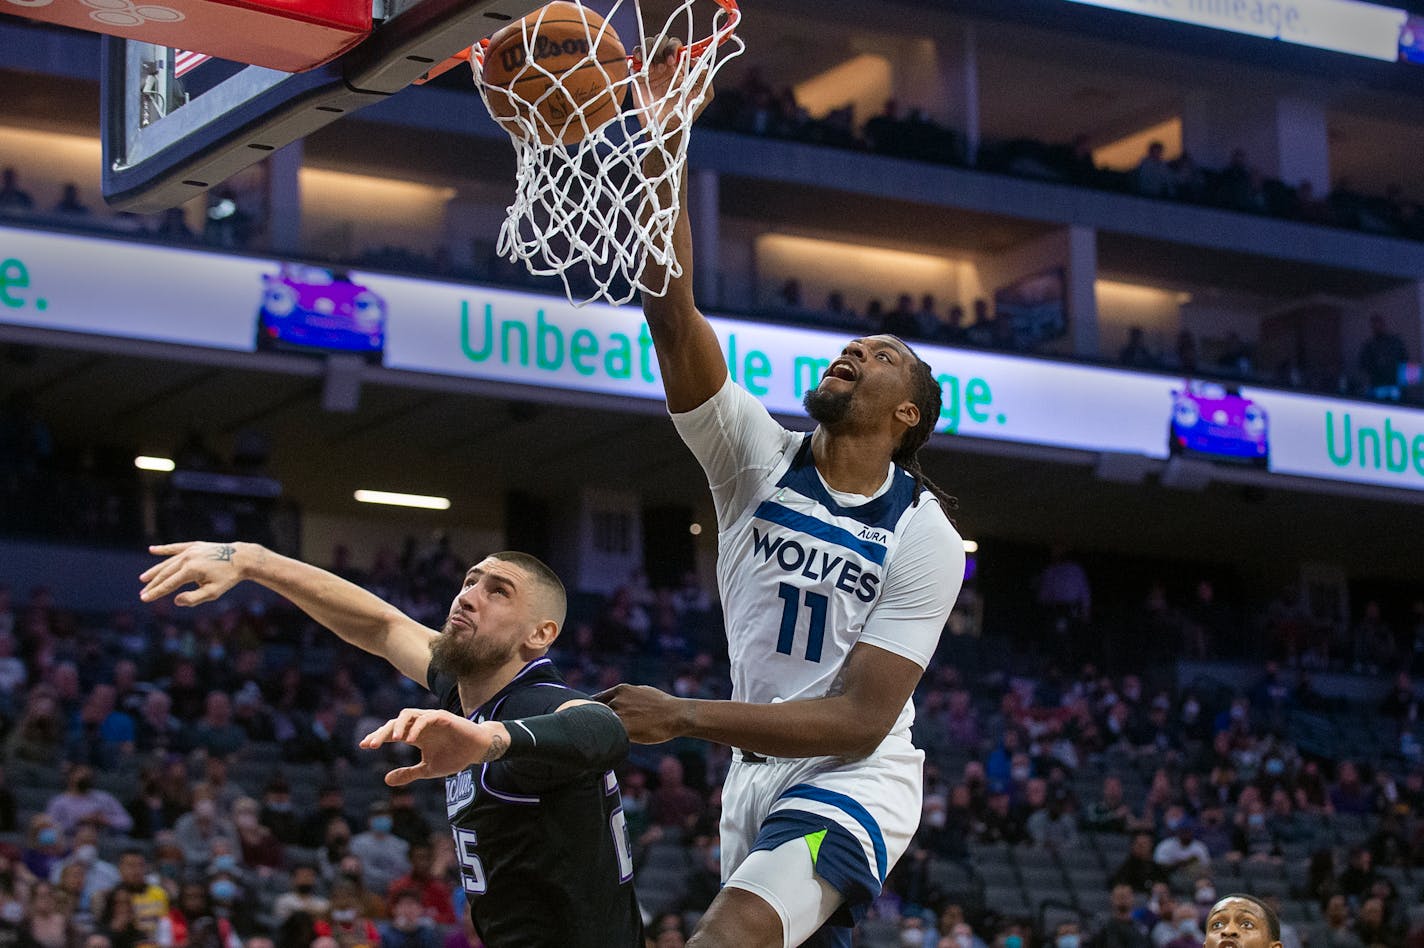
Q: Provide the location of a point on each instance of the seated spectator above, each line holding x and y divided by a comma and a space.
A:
1380, 358
1139, 871
349, 925
156, 728
408, 926
46, 925
147, 901
407, 823
1360, 875
69, 204
196, 831
1121, 930
1181, 930
1054, 827
435, 896
303, 897
99, 874
384, 856
1136, 353
13, 199
118, 922
1251, 839
81, 803
676, 807
44, 846
1000, 823
330, 805
1236, 357
276, 813
230, 911
1351, 795
1182, 850
1372, 927
953, 331
1110, 814
261, 849
1153, 177
216, 732
1339, 932
1068, 934
350, 871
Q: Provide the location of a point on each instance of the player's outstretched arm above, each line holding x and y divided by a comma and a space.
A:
691, 360
580, 736
875, 686
348, 610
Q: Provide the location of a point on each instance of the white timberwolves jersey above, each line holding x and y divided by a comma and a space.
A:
806, 574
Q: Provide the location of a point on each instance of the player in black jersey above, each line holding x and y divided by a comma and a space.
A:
529, 790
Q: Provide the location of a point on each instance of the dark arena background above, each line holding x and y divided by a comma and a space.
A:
1168, 261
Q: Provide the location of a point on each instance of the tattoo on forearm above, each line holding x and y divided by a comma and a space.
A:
498, 745
223, 554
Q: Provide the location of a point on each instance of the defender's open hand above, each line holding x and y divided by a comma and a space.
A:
212, 567
448, 743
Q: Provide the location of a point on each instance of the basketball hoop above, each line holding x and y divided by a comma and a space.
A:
584, 210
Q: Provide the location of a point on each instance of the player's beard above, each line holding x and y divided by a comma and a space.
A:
829, 408
460, 657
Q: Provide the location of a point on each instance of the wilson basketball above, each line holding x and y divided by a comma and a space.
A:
548, 60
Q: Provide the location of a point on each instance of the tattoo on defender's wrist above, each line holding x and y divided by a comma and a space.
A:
498, 745
223, 554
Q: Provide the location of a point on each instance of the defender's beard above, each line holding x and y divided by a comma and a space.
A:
828, 408
460, 658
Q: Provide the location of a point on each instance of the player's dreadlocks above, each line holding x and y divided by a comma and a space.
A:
928, 397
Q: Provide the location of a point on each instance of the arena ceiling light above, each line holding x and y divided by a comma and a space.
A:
402, 500
145, 463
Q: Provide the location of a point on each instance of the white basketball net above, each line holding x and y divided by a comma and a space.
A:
586, 212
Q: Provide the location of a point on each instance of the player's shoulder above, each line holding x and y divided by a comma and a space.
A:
537, 698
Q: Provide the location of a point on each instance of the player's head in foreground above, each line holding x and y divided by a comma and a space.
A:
881, 387
1242, 921
509, 612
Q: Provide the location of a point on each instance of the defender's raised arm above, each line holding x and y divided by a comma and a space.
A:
348, 610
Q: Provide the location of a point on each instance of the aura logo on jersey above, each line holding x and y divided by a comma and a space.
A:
816, 563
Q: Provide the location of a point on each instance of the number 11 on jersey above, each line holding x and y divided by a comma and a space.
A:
791, 612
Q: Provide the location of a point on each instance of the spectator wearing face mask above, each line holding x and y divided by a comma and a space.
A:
435, 896
1121, 930
99, 876
350, 872
1068, 935
303, 897
230, 920
1181, 930
196, 831
408, 927
277, 814
261, 850
348, 926
385, 857
44, 846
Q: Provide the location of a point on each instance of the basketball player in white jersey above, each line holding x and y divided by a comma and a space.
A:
837, 568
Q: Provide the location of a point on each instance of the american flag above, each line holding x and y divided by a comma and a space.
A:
185, 62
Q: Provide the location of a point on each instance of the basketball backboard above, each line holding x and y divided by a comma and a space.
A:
174, 124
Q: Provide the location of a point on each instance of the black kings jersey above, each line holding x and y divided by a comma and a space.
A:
543, 849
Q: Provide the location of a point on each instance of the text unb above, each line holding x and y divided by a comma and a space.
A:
1387, 449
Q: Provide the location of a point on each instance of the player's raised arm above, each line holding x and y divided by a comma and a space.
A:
348, 610
689, 355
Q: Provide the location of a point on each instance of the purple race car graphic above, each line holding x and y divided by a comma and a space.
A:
1212, 420
305, 307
